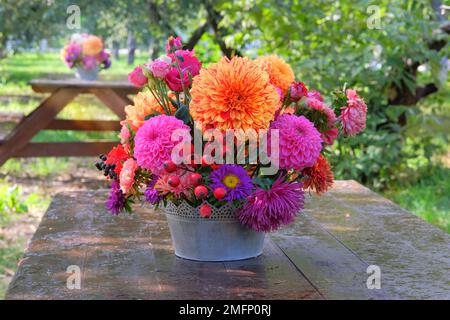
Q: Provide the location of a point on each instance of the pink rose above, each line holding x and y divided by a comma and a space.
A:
137, 77
298, 91
353, 115
127, 175
160, 67
189, 66
173, 44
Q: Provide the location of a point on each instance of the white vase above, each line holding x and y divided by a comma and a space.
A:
221, 237
88, 75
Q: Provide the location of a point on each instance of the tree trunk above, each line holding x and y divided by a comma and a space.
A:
115, 49
131, 44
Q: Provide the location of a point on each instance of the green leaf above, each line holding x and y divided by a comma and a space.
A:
183, 114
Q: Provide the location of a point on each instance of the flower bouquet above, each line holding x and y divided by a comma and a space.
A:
227, 150
86, 53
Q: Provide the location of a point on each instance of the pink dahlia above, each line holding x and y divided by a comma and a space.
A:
300, 142
127, 175
353, 115
267, 210
153, 144
89, 62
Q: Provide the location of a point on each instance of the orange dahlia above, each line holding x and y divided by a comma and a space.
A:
144, 104
319, 177
233, 94
280, 73
92, 45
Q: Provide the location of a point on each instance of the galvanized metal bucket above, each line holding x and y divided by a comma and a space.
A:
88, 75
220, 237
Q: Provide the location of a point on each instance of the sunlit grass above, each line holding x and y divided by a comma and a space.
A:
428, 198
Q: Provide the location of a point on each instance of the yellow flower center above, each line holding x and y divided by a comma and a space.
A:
230, 181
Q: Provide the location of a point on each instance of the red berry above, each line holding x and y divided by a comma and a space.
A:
201, 192
215, 166
205, 211
219, 193
169, 166
195, 179
173, 181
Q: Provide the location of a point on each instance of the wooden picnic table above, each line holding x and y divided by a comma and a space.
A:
113, 94
323, 255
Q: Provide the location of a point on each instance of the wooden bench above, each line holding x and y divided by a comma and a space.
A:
325, 254
113, 94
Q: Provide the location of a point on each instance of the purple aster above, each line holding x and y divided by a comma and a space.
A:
116, 200
267, 210
73, 51
234, 179
106, 63
151, 195
89, 62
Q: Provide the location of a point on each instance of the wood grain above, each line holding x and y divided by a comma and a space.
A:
323, 255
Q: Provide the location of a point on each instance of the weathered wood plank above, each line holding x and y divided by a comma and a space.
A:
131, 257
84, 125
331, 267
414, 256
65, 149
112, 100
323, 255
48, 85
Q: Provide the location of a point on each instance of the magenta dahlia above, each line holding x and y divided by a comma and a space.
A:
267, 210
300, 142
353, 115
153, 141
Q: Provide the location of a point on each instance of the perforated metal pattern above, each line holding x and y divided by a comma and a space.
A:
186, 211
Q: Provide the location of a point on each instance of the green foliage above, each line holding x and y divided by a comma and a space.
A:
329, 44
13, 202
427, 197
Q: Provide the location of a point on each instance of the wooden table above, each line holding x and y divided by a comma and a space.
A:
113, 94
324, 255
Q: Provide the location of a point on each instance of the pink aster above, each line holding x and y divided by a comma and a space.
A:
153, 144
267, 210
299, 142
318, 105
127, 175
163, 187
353, 115
315, 94
329, 134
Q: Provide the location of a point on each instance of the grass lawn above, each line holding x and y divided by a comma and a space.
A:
26, 185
